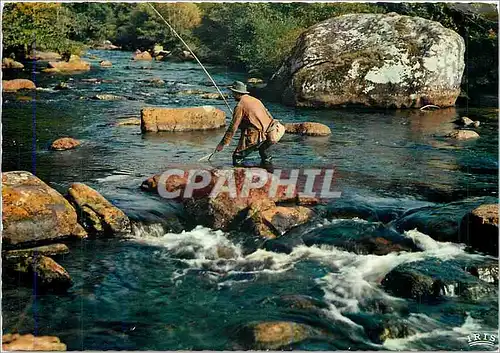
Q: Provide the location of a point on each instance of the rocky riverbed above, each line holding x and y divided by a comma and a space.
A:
404, 259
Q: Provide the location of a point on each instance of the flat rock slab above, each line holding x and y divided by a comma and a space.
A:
34, 212
46, 250
154, 119
17, 84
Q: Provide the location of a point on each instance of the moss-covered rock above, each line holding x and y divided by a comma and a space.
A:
373, 60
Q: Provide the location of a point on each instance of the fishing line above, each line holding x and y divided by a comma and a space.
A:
194, 55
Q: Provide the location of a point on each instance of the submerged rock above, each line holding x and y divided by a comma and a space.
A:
154, 119
311, 129
463, 135
381, 60
479, 229
106, 63
107, 97
17, 84
17, 342
8, 63
96, 214
382, 327
47, 273
129, 122
34, 212
274, 335
434, 278
46, 250
64, 143
465, 121
360, 237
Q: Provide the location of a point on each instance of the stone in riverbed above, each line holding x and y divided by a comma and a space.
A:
106, 63
46, 250
434, 278
274, 334
34, 212
138, 55
74, 64
49, 274
154, 119
64, 143
479, 229
17, 84
129, 122
107, 97
308, 128
44, 55
463, 135
97, 215
8, 63
465, 121
381, 60
277, 220
28, 342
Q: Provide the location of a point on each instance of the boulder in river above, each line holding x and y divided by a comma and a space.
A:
379, 60
106, 63
274, 334
154, 119
479, 229
108, 97
49, 275
17, 84
44, 55
308, 128
97, 215
34, 212
465, 121
138, 55
275, 221
434, 278
28, 342
463, 135
75, 64
64, 143
8, 63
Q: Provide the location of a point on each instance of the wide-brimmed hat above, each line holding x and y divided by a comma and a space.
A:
239, 87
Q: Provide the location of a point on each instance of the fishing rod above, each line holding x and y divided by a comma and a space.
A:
207, 157
193, 54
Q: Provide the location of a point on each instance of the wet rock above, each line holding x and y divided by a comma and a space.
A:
17, 342
17, 84
44, 55
486, 269
373, 60
275, 334
465, 121
61, 86
434, 278
277, 220
46, 250
64, 143
297, 301
47, 273
191, 92
97, 215
440, 222
106, 63
75, 64
8, 63
479, 229
212, 96
463, 135
142, 56
156, 81
360, 237
311, 129
108, 97
382, 327
129, 122
34, 212
154, 119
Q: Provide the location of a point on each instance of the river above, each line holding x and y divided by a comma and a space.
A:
166, 288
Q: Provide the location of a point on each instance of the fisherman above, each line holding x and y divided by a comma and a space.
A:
254, 121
